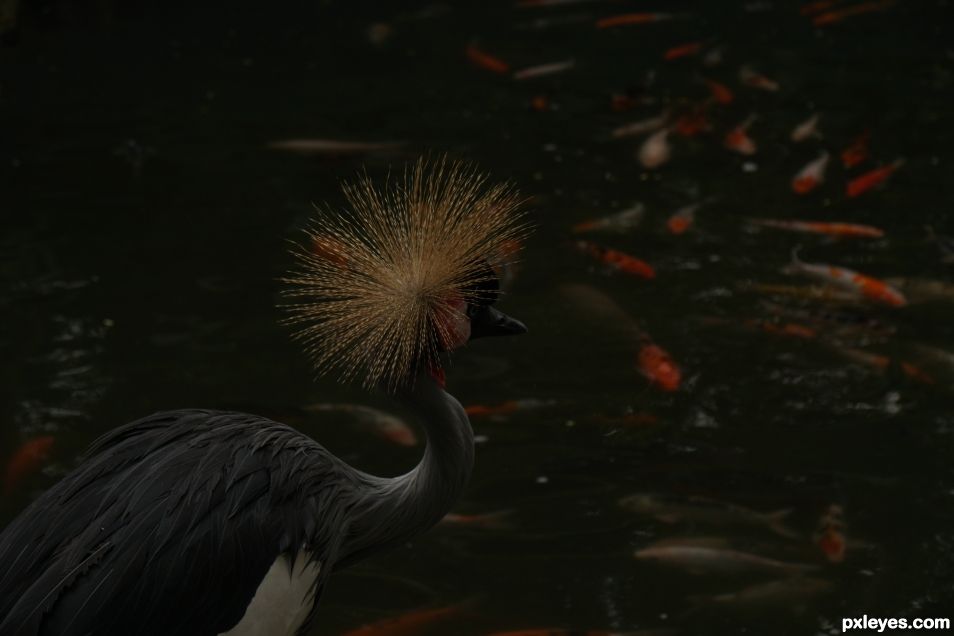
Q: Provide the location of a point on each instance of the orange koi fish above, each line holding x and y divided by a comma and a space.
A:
409, 624
867, 181
720, 92
738, 139
683, 50
806, 130
508, 407
617, 260
830, 534
540, 103
29, 458
655, 151
693, 123
811, 176
866, 286
486, 61
632, 18
820, 227
657, 366
544, 69
641, 127
622, 221
683, 218
831, 17
750, 77
487, 520
857, 151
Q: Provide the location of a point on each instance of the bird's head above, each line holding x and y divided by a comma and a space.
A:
405, 274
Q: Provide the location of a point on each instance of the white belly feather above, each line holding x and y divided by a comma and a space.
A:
282, 602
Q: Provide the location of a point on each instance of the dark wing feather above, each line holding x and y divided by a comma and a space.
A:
168, 528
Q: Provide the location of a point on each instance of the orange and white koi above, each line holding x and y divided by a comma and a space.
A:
507, 408
869, 180
29, 458
486, 520
720, 92
811, 176
683, 218
655, 151
621, 221
683, 50
806, 130
633, 18
486, 61
821, 227
857, 151
738, 139
619, 261
641, 127
657, 366
410, 624
750, 77
544, 69
870, 288
830, 534
831, 17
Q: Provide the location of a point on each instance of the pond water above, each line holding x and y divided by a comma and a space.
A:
145, 225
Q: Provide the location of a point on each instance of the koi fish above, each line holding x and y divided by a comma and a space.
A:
29, 458
657, 366
720, 92
641, 127
811, 292
385, 425
693, 123
409, 624
621, 221
738, 139
544, 69
508, 407
831, 17
701, 559
488, 520
867, 181
683, 218
707, 511
806, 130
332, 146
857, 151
787, 592
655, 151
683, 50
617, 260
830, 534
819, 227
486, 61
883, 363
866, 286
633, 18
750, 77
813, 174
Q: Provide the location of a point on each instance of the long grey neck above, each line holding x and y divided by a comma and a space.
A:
388, 512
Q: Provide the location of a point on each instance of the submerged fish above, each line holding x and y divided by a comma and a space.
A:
806, 130
641, 127
543, 70
388, 426
29, 458
720, 92
683, 50
683, 218
618, 261
621, 221
508, 407
656, 150
750, 77
867, 181
333, 146
738, 138
857, 151
657, 366
633, 18
701, 559
706, 511
866, 286
811, 176
830, 534
821, 227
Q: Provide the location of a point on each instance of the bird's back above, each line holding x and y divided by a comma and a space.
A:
169, 526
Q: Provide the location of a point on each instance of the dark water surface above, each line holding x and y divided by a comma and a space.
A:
145, 225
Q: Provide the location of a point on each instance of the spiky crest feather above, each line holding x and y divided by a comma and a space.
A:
381, 281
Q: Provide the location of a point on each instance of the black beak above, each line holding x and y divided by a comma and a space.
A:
488, 321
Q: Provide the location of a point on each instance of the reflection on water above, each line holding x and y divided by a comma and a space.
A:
696, 436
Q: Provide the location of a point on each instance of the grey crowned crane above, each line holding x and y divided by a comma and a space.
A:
207, 523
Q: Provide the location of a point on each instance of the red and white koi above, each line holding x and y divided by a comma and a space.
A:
869, 288
806, 130
738, 139
812, 175
655, 151
507, 408
869, 180
486, 520
821, 227
683, 218
641, 127
618, 261
656, 365
857, 151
